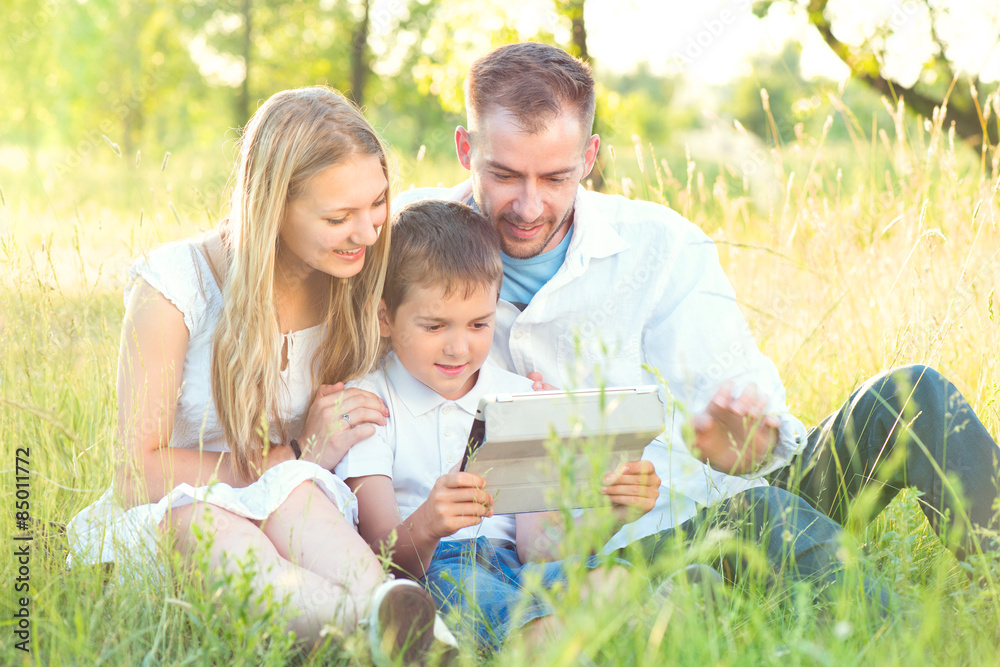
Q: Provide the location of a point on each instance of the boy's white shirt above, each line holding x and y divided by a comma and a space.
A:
641, 288
425, 437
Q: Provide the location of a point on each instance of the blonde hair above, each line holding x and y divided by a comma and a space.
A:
291, 138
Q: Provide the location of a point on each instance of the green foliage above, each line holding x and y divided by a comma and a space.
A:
928, 31
792, 101
644, 104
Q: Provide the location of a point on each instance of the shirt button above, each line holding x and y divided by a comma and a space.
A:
518, 334
447, 431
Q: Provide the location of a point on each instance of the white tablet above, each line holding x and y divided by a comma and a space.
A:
546, 450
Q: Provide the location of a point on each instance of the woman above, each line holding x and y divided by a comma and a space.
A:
228, 423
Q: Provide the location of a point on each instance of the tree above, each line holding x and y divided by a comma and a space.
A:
359, 55
938, 88
29, 63
642, 103
140, 72
573, 10
283, 44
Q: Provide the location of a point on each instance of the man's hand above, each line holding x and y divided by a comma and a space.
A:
633, 488
734, 435
539, 383
457, 500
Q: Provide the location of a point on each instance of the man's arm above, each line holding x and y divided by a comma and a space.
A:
733, 396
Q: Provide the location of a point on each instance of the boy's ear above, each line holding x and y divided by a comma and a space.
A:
383, 319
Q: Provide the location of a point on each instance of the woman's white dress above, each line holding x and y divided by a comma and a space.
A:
104, 532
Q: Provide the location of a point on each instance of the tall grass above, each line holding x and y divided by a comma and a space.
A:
858, 257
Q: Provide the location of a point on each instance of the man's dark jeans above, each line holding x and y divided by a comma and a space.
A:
799, 542
908, 427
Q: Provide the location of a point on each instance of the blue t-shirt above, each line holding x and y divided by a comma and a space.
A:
522, 278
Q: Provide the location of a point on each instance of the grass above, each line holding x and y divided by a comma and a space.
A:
859, 257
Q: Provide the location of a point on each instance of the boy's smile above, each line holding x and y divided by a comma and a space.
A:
441, 340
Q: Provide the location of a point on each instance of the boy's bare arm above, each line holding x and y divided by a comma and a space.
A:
380, 525
456, 501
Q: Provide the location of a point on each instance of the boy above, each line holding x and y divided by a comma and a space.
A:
438, 311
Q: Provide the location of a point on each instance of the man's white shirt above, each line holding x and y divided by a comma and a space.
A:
425, 437
642, 299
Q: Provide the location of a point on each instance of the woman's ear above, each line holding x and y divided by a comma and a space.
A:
384, 328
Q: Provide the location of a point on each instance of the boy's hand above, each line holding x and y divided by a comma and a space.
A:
734, 435
634, 488
457, 500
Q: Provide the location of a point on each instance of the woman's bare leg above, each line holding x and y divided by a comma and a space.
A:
314, 601
309, 530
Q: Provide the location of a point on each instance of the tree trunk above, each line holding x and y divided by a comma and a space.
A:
243, 100
573, 9
359, 58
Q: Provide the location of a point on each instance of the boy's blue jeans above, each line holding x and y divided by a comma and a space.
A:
493, 593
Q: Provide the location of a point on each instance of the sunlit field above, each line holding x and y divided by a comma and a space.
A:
852, 258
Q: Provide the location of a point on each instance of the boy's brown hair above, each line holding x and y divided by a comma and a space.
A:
532, 81
441, 244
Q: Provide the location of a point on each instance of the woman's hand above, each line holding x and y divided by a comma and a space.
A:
338, 419
457, 500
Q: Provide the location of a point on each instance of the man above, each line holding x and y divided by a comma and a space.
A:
600, 290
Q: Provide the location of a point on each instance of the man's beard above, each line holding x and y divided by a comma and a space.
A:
519, 251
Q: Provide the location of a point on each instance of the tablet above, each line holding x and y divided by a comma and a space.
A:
548, 450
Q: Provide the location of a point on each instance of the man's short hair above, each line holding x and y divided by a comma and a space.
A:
532, 81
441, 244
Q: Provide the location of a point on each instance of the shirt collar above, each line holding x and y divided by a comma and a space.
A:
420, 399
593, 234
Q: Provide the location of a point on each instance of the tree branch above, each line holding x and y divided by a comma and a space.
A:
963, 112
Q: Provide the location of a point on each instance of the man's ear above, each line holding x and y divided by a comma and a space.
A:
463, 147
384, 329
590, 155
